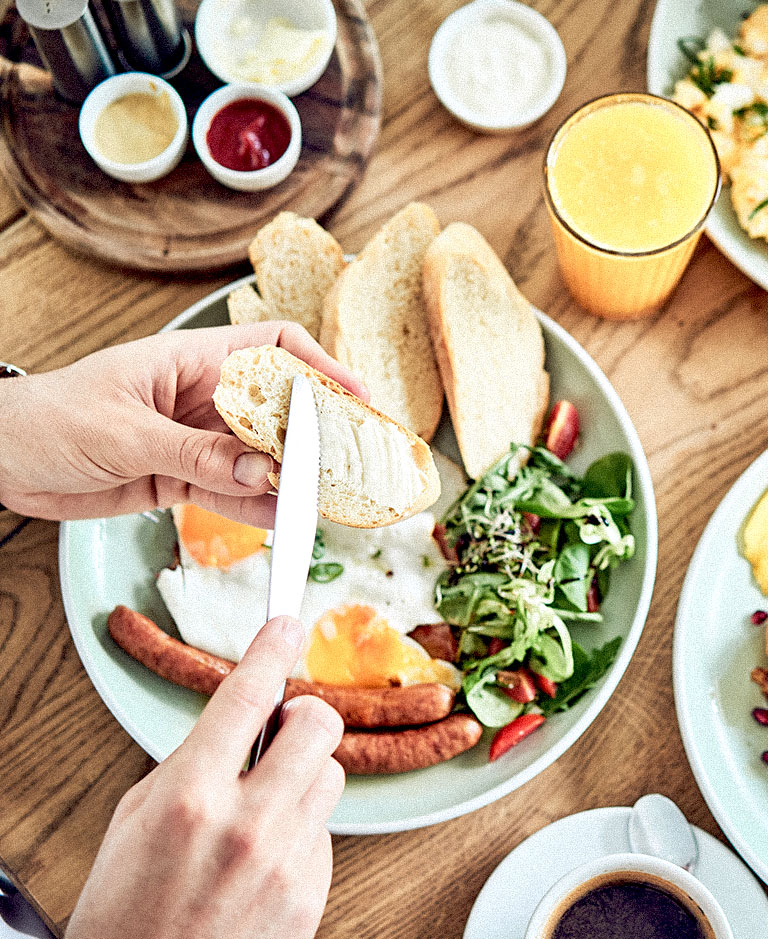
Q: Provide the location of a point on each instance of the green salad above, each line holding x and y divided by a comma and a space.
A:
532, 548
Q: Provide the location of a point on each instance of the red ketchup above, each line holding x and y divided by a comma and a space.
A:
248, 135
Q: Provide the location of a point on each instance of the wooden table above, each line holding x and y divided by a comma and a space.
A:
693, 379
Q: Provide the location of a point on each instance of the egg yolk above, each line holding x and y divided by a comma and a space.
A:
215, 541
353, 645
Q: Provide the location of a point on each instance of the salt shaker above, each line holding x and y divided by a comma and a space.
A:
69, 43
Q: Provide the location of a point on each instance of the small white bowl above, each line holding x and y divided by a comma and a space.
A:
537, 29
217, 46
117, 87
252, 180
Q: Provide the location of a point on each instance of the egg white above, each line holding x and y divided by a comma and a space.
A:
392, 569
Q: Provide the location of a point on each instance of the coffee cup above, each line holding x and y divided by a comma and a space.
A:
626, 887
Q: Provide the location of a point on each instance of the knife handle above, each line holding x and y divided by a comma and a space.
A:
268, 731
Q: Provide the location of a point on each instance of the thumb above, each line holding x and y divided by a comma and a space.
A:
213, 461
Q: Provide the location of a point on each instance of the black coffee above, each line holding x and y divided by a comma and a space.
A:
628, 911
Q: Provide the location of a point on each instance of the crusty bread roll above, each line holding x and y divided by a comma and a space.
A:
296, 263
489, 347
373, 472
375, 323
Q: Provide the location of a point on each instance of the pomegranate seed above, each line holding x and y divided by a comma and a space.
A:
764, 756
759, 617
760, 715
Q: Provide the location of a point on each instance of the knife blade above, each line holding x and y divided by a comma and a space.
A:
295, 525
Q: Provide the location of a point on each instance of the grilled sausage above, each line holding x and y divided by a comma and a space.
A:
200, 671
380, 707
184, 665
397, 751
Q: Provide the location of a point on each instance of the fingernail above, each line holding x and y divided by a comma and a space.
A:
292, 630
251, 470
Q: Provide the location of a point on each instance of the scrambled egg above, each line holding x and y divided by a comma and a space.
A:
727, 89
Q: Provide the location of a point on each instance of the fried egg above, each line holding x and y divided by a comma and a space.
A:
356, 623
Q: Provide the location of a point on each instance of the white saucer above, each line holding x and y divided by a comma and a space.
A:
510, 895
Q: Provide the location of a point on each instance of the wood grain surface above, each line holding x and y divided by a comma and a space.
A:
694, 380
187, 220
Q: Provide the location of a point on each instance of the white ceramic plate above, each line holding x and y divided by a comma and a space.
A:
110, 561
715, 649
512, 892
677, 19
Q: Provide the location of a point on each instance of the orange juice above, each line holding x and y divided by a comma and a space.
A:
630, 181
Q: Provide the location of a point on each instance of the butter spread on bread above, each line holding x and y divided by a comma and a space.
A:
373, 472
489, 347
375, 322
296, 263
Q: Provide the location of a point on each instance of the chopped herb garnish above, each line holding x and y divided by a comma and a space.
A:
691, 46
376, 554
712, 123
707, 76
758, 208
426, 561
738, 50
318, 549
323, 573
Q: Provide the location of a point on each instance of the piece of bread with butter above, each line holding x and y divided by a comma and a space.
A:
373, 472
375, 322
489, 347
296, 263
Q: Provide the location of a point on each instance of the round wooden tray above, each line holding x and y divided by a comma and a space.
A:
186, 221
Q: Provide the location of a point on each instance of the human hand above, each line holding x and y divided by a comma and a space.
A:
133, 427
198, 849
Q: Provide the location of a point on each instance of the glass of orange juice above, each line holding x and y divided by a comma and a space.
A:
630, 179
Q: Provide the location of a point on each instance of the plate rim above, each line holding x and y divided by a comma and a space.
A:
682, 704
601, 698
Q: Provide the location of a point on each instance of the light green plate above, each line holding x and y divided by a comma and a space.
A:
110, 561
678, 19
715, 649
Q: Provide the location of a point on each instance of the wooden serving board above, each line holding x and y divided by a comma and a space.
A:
185, 221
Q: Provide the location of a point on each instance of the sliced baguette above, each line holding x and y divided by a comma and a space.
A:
375, 323
373, 472
296, 263
489, 347
246, 306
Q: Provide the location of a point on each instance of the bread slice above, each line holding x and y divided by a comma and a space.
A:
489, 347
246, 306
296, 263
375, 323
373, 472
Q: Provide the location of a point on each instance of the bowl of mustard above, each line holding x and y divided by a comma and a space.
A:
134, 127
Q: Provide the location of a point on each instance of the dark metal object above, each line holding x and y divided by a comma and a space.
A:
70, 44
149, 34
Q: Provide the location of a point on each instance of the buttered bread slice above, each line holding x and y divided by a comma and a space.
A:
296, 263
489, 347
375, 322
373, 472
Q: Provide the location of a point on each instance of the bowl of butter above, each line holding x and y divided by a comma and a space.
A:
283, 44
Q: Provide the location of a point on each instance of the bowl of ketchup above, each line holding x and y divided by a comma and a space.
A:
247, 136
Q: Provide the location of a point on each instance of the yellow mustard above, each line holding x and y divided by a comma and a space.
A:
136, 127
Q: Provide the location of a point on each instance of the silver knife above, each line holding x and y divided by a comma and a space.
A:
295, 525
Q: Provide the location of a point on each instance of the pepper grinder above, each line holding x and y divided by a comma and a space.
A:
149, 35
69, 43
